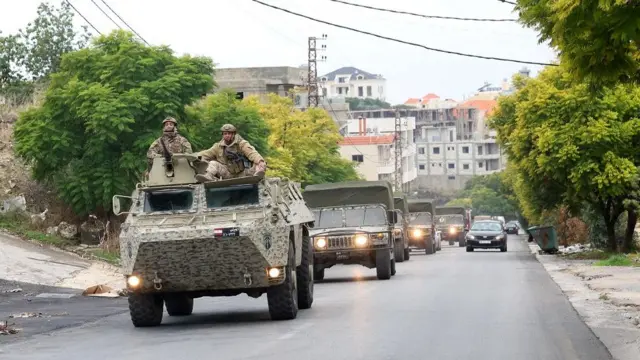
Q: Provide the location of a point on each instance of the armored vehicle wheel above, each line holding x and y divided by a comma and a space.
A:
383, 264
318, 274
283, 299
451, 242
429, 248
407, 254
393, 267
178, 304
305, 275
462, 242
398, 251
145, 309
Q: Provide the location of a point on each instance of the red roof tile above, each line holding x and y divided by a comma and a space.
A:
367, 140
486, 105
412, 101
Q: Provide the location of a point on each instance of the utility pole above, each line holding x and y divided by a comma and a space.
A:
312, 77
397, 144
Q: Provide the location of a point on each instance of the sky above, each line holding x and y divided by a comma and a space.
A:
243, 33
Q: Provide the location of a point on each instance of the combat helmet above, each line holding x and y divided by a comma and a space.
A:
228, 128
170, 119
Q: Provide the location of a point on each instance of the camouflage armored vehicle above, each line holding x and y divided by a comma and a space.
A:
354, 224
422, 231
452, 221
183, 240
401, 230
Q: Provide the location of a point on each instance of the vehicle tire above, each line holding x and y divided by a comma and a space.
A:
383, 264
145, 309
407, 254
504, 248
318, 274
398, 250
469, 249
393, 266
462, 242
283, 299
429, 247
451, 242
305, 275
178, 305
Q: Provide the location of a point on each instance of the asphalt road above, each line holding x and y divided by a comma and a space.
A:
451, 305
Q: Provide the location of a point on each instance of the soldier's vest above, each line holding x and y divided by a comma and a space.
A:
235, 161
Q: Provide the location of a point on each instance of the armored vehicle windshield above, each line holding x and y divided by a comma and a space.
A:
420, 219
350, 217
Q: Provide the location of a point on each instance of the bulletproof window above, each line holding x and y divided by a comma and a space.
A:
168, 200
236, 195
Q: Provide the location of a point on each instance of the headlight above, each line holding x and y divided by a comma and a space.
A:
133, 281
452, 230
500, 237
417, 232
361, 240
470, 237
321, 243
397, 231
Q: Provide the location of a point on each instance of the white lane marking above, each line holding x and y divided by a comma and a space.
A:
294, 331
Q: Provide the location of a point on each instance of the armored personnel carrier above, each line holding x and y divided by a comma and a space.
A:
183, 240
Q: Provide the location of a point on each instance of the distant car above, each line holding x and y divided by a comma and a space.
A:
487, 234
512, 228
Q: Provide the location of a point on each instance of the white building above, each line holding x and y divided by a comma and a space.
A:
353, 82
370, 143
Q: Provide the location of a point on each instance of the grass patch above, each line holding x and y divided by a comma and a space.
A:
619, 260
112, 258
589, 255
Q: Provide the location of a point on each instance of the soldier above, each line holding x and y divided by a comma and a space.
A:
230, 158
176, 143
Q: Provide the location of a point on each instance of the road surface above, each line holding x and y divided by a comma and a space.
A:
451, 305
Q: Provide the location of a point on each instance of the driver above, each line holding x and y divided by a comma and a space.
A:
227, 158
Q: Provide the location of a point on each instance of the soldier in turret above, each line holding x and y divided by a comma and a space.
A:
176, 144
231, 157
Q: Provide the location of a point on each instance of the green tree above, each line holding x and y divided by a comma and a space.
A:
597, 39
366, 104
570, 146
101, 112
207, 116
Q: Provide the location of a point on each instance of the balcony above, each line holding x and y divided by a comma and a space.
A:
488, 156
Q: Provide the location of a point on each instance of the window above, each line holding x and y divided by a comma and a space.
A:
421, 167
342, 80
436, 150
357, 158
452, 177
168, 200
440, 164
465, 166
421, 150
465, 149
340, 90
480, 164
324, 92
360, 91
360, 77
451, 136
451, 166
480, 150
369, 93
328, 218
236, 195
365, 217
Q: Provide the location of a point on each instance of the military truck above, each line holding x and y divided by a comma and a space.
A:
422, 231
354, 224
183, 240
453, 223
401, 230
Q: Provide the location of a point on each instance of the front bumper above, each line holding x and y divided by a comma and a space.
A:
361, 256
446, 234
486, 244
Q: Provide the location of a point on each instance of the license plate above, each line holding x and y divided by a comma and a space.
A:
342, 255
485, 241
226, 232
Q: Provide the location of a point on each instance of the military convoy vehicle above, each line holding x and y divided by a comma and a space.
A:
183, 240
453, 223
354, 224
401, 230
422, 231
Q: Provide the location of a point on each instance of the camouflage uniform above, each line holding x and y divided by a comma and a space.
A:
176, 143
225, 160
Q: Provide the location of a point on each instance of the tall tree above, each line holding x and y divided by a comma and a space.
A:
101, 112
599, 40
570, 146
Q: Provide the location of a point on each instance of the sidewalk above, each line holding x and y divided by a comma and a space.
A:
606, 297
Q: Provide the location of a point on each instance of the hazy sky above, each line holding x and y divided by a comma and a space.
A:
238, 33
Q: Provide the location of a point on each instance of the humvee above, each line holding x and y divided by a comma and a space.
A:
401, 229
422, 231
183, 240
354, 224
452, 221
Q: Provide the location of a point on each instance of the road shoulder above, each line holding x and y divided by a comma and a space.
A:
606, 298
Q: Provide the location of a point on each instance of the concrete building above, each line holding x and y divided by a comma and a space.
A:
261, 81
353, 82
370, 143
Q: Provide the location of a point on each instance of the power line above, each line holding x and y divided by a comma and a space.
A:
105, 14
402, 41
508, 2
420, 15
121, 19
82, 16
